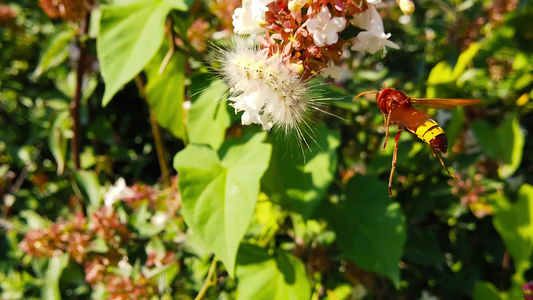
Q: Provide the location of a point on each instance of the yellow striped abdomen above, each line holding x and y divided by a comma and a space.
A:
419, 124
431, 133
428, 131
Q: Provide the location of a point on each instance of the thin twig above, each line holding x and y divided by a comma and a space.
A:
76, 98
20, 179
208, 282
159, 147
171, 48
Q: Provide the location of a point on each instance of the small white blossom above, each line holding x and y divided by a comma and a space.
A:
159, 219
337, 73
404, 19
187, 104
427, 296
252, 105
325, 28
373, 2
407, 6
250, 18
374, 38
296, 5
118, 192
124, 266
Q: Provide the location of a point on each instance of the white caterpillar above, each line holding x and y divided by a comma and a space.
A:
265, 88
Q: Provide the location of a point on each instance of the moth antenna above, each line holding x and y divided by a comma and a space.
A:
364, 93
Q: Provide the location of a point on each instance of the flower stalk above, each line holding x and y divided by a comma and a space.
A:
76, 97
158, 140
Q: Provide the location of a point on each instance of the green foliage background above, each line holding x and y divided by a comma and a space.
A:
247, 216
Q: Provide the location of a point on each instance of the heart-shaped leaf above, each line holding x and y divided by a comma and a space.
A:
219, 193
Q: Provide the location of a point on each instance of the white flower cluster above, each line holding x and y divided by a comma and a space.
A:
267, 89
324, 28
374, 38
264, 88
250, 18
117, 192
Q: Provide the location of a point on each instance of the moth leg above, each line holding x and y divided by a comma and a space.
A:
442, 162
387, 126
394, 157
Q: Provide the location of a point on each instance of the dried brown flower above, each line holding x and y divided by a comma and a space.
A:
67, 236
106, 224
7, 14
470, 192
70, 10
123, 287
198, 34
286, 34
223, 10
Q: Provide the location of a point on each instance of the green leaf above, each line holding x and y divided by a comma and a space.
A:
504, 144
454, 126
140, 221
34, 220
98, 245
50, 288
219, 194
262, 276
128, 37
423, 248
441, 73
165, 92
485, 291
370, 228
512, 140
67, 85
300, 185
514, 223
465, 58
208, 117
56, 51
89, 186
57, 140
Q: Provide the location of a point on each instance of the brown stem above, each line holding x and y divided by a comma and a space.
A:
76, 98
159, 147
208, 280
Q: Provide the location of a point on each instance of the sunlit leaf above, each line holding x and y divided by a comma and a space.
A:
263, 276
299, 183
441, 73
34, 220
56, 51
67, 85
465, 59
219, 192
208, 117
88, 184
50, 288
140, 220
129, 35
57, 140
